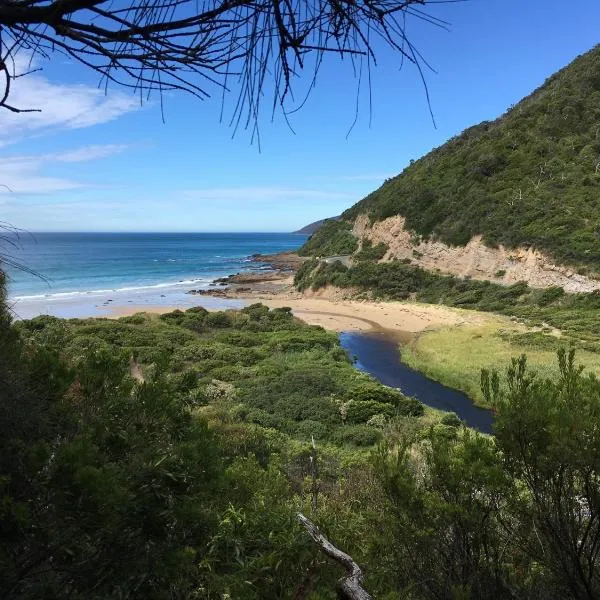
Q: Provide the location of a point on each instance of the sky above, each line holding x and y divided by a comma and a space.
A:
91, 161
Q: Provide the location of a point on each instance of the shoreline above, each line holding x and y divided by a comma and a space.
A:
272, 286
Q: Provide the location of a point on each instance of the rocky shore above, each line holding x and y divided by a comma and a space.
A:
273, 275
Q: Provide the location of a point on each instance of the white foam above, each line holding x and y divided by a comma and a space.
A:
139, 288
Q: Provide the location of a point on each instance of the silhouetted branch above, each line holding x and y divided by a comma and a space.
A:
195, 45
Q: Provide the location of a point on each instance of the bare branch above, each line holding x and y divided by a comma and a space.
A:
198, 45
350, 587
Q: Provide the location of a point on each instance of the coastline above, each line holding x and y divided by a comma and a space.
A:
329, 309
272, 286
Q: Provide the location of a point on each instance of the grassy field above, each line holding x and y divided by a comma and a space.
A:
455, 355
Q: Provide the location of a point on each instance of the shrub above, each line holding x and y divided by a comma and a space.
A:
375, 392
138, 319
333, 238
256, 311
357, 435
378, 421
370, 252
360, 412
451, 420
219, 390
308, 428
266, 419
297, 407
217, 319
175, 317
410, 407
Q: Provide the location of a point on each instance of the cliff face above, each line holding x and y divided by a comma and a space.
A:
474, 260
514, 199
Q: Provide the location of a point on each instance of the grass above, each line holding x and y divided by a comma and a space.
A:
455, 356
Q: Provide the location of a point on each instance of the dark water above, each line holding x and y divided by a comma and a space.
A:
378, 355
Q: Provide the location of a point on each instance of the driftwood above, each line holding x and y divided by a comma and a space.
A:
349, 587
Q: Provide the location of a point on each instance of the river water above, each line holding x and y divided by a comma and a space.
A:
378, 355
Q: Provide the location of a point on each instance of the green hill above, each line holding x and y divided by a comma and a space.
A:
529, 178
312, 227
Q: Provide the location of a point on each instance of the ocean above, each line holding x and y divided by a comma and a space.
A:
73, 270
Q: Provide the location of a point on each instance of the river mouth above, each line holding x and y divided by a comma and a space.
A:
378, 354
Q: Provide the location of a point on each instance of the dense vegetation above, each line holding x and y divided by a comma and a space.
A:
333, 238
575, 314
159, 458
532, 177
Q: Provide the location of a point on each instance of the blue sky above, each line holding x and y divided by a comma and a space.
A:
96, 162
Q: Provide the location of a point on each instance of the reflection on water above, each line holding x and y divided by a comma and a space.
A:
378, 355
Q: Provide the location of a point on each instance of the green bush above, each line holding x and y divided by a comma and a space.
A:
308, 429
333, 238
266, 419
451, 420
362, 411
370, 252
410, 407
357, 435
374, 392
218, 319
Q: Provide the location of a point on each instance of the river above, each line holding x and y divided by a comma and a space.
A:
378, 354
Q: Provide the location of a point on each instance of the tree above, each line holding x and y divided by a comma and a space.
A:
162, 45
548, 434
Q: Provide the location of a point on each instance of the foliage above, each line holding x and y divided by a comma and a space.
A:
529, 178
358, 435
333, 238
370, 252
575, 314
443, 492
360, 412
302, 277
206, 475
547, 430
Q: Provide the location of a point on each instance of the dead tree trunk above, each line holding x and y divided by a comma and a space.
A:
349, 587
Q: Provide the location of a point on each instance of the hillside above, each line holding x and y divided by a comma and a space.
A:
312, 227
529, 181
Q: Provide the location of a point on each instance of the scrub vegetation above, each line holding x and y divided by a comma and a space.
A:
168, 457
529, 178
455, 356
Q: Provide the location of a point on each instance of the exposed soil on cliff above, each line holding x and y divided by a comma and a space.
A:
475, 260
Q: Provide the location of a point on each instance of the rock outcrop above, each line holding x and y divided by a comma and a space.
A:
475, 260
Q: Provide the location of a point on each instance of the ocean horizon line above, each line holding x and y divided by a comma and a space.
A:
27, 232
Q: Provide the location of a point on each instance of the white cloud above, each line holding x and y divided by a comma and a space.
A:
61, 105
24, 174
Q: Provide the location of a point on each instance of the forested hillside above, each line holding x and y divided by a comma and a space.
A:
530, 178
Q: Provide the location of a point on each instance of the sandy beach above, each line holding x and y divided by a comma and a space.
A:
351, 315
328, 308
400, 318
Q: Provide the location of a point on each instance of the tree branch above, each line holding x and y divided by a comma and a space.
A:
350, 587
191, 45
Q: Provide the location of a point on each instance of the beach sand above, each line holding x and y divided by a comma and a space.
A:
348, 315
327, 308
352, 315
